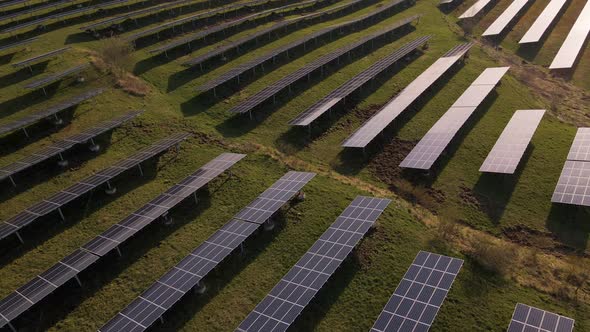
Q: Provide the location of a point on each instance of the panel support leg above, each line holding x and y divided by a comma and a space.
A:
19, 237
26, 132
78, 280
11, 327
12, 181
111, 190
62, 162
140, 169
93, 146
119, 251
61, 214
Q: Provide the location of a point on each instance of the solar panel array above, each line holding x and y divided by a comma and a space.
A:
51, 111
388, 113
17, 44
221, 27
199, 60
505, 18
13, 3
33, 10
134, 14
427, 151
56, 201
42, 285
164, 293
530, 319
543, 21
279, 309
573, 186
246, 66
352, 85
40, 57
573, 43
60, 16
475, 9
420, 294
56, 77
513, 142
61, 146
276, 87
192, 18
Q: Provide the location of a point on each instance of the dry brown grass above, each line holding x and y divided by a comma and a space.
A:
133, 85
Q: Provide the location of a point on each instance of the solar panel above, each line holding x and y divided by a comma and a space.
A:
118, 233
297, 22
221, 27
192, 18
55, 202
279, 309
40, 57
188, 273
289, 48
512, 144
45, 283
31, 11
352, 85
44, 81
60, 16
16, 44
13, 3
543, 21
388, 113
270, 91
427, 151
420, 294
61, 146
475, 9
134, 14
274, 197
504, 19
50, 111
580, 149
573, 186
572, 45
530, 319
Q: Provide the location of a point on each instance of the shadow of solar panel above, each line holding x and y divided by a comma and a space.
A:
84, 186
526, 318
135, 14
17, 44
40, 57
420, 294
388, 113
573, 43
210, 13
272, 199
221, 27
427, 151
279, 309
513, 142
271, 90
44, 81
352, 85
187, 274
104, 243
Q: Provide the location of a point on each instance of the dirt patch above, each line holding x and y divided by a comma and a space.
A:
545, 241
133, 85
411, 186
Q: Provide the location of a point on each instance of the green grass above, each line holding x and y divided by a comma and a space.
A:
354, 296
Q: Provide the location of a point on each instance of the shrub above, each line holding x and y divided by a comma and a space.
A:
116, 55
496, 257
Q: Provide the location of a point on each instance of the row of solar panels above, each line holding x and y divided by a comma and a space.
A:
412, 307
336, 31
35, 9
45, 20
204, 33
573, 43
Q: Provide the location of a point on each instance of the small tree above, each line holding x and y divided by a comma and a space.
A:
116, 54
